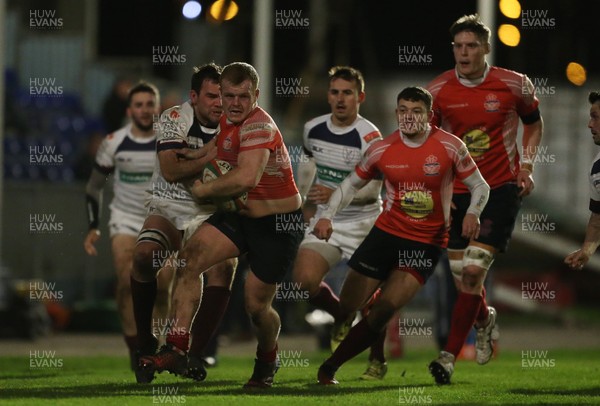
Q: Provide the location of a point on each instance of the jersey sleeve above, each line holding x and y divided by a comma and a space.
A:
305, 143
595, 188
463, 163
527, 101
258, 134
172, 130
105, 157
367, 168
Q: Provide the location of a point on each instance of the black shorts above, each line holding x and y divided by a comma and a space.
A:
271, 241
497, 219
381, 252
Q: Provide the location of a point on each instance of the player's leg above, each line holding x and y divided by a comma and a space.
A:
313, 261
215, 298
206, 247
157, 238
271, 255
398, 290
122, 249
164, 280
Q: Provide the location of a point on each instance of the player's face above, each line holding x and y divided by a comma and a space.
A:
469, 54
413, 117
142, 109
594, 123
344, 98
238, 100
207, 103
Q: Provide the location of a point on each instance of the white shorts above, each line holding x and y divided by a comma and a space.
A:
185, 216
346, 236
124, 223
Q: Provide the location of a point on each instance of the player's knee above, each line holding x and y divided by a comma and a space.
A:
456, 267
307, 282
143, 267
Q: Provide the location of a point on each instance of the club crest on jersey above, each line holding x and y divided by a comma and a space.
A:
174, 114
491, 104
351, 155
431, 167
227, 143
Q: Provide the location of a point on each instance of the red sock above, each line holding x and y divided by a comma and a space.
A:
463, 316
179, 340
266, 356
358, 339
214, 303
484, 313
131, 342
377, 348
143, 295
326, 300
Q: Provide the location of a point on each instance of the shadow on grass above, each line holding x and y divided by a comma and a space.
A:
560, 392
217, 388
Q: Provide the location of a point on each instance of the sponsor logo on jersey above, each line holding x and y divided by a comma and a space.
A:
478, 142
371, 136
431, 167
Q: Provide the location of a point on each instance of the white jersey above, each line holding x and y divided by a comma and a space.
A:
177, 129
336, 151
132, 160
594, 179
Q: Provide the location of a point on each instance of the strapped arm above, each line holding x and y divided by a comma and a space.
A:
93, 197
343, 195
306, 174
480, 192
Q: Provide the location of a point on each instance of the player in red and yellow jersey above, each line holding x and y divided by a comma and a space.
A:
419, 163
482, 104
271, 227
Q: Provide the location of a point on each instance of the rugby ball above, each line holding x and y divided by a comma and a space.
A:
214, 169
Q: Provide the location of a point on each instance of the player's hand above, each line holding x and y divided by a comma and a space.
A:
198, 190
470, 226
319, 194
90, 239
577, 259
525, 183
323, 229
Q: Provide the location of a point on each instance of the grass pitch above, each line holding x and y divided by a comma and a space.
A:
551, 377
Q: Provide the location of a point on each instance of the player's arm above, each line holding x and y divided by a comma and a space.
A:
178, 165
579, 258
241, 179
305, 171
532, 137
480, 192
340, 199
93, 197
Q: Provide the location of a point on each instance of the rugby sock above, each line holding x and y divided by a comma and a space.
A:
143, 294
484, 313
179, 340
266, 356
131, 342
326, 300
214, 303
377, 348
463, 316
358, 339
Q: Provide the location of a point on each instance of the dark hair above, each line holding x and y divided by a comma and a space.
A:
416, 94
143, 87
594, 97
209, 71
348, 73
471, 23
237, 72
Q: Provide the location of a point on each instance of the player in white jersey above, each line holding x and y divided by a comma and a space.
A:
173, 215
579, 258
333, 145
129, 153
